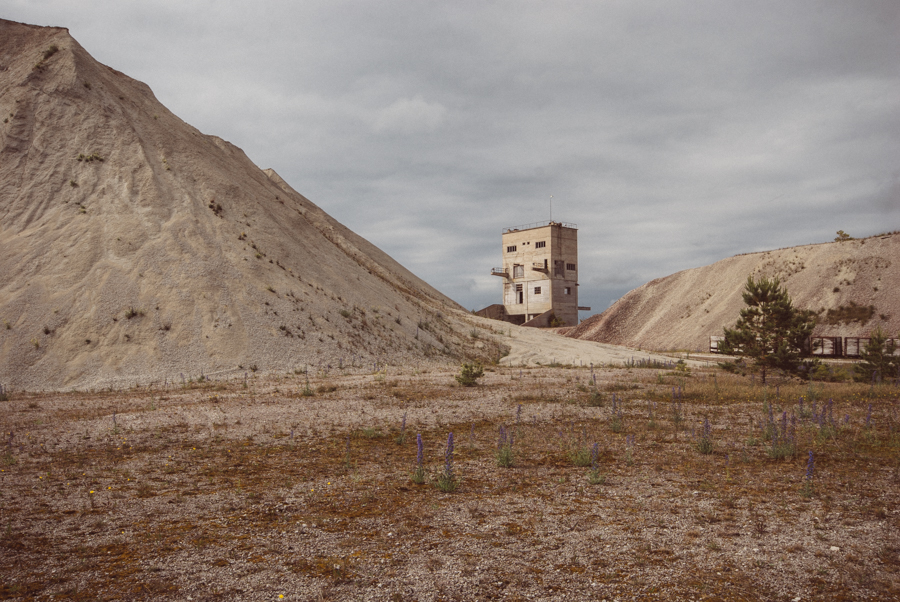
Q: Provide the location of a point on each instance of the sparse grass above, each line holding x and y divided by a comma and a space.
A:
580, 455
45, 56
447, 484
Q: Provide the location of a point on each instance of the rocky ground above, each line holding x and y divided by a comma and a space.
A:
302, 486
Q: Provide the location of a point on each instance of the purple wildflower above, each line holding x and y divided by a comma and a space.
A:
868, 417
448, 458
420, 451
810, 466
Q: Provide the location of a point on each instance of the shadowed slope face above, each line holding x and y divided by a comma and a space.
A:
852, 286
133, 247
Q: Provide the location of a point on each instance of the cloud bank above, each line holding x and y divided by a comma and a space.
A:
673, 134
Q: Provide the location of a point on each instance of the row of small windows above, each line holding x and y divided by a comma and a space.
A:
541, 244
519, 270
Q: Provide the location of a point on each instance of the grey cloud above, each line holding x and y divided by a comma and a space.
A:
673, 134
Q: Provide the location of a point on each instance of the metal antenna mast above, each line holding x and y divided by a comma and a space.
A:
551, 207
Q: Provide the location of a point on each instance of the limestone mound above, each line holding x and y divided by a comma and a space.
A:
681, 311
134, 248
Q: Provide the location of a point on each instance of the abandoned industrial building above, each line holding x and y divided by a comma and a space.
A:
540, 276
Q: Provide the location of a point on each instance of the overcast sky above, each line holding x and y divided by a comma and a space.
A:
673, 133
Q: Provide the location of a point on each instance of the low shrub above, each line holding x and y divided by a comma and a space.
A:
469, 374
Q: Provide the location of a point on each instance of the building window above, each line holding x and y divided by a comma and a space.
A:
567, 290
519, 294
570, 267
511, 249
540, 244
537, 290
518, 271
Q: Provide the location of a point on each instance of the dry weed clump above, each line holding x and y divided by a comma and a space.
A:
518, 488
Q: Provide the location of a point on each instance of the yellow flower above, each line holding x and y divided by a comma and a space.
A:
92, 491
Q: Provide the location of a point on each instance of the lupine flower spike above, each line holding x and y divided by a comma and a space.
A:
418, 475
447, 480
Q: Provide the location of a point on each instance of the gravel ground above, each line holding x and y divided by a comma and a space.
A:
302, 489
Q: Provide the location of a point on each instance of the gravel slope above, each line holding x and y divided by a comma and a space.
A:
134, 248
681, 311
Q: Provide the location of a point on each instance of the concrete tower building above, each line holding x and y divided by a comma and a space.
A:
540, 275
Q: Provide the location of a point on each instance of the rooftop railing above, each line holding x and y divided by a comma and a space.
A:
539, 225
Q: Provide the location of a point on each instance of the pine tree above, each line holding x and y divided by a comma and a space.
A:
770, 331
878, 357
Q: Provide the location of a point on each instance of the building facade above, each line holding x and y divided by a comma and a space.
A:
540, 274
